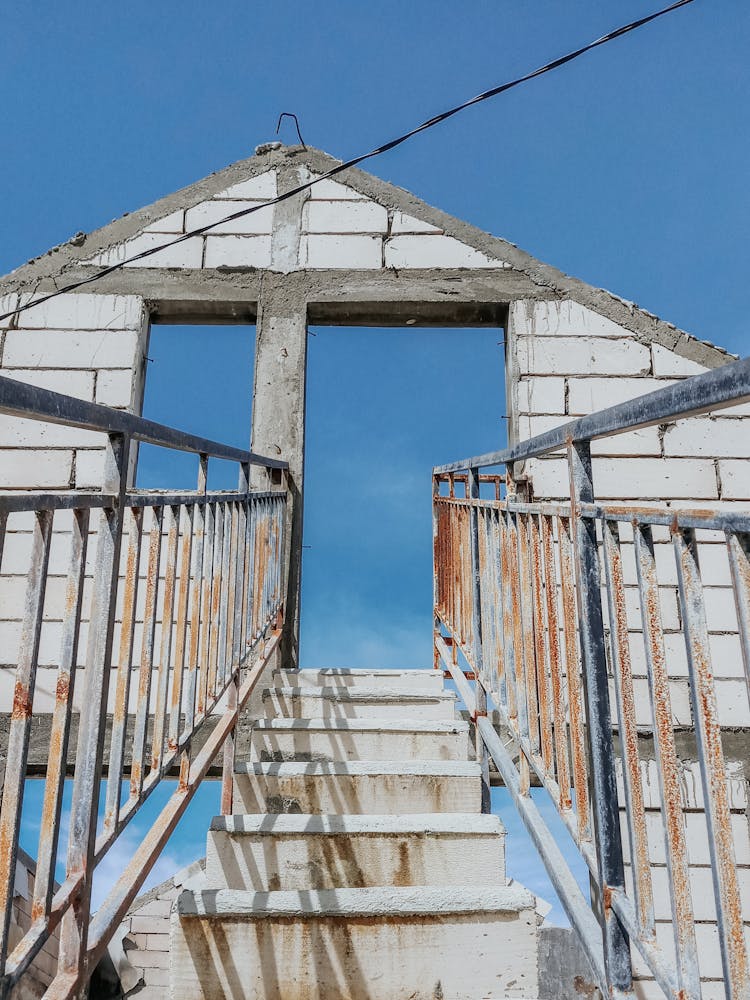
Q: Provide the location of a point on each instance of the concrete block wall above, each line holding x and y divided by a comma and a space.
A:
336, 227
140, 948
570, 361
44, 966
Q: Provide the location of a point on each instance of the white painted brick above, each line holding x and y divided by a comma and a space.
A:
17, 432
344, 217
114, 388
434, 251
89, 468
85, 312
238, 251
70, 348
153, 959
33, 470
691, 791
72, 383
720, 609
154, 978
679, 697
145, 924
709, 436
402, 223
261, 187
329, 190
260, 221
643, 442
172, 223
565, 318
702, 892
697, 838
743, 410
731, 699
541, 395
357, 252
7, 304
585, 355
589, 394
188, 253
159, 907
666, 362
621, 478
735, 479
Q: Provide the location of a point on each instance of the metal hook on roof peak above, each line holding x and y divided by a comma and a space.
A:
290, 114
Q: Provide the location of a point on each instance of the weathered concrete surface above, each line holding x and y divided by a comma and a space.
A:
359, 739
265, 853
564, 971
357, 703
382, 944
358, 787
410, 681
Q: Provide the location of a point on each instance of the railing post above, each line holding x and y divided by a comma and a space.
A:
598, 718
480, 695
233, 643
435, 572
93, 715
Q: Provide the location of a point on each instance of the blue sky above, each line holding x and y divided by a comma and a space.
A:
627, 169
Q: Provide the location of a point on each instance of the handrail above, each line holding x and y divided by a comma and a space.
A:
546, 602
23, 400
188, 650
714, 390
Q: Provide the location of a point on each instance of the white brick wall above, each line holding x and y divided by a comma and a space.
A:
425, 251
572, 362
259, 221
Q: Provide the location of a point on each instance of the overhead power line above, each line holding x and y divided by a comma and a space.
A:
355, 161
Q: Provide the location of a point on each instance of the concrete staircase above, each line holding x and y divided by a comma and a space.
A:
358, 865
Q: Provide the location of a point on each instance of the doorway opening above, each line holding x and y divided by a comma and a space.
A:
198, 379
383, 406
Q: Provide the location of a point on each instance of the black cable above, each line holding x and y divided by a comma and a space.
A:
436, 120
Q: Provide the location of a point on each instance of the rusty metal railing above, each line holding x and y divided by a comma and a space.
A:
548, 604
168, 611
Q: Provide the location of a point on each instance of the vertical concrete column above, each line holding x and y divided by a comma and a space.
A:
278, 421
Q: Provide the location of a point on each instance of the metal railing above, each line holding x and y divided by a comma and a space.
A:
199, 577
533, 596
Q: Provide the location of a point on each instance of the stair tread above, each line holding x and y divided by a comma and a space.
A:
436, 768
341, 693
281, 824
366, 725
364, 671
386, 901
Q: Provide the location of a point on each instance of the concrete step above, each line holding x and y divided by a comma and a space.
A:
331, 852
355, 944
345, 787
360, 739
357, 703
407, 680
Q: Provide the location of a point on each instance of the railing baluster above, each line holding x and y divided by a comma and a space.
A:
205, 609
165, 648
20, 720
133, 519
713, 769
140, 730
216, 587
539, 653
85, 800
598, 718
553, 640
47, 853
626, 716
472, 492
667, 767
186, 514
738, 546
572, 671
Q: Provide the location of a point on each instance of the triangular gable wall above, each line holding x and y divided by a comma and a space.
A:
356, 222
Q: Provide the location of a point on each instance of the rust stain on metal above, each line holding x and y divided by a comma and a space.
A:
22, 702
